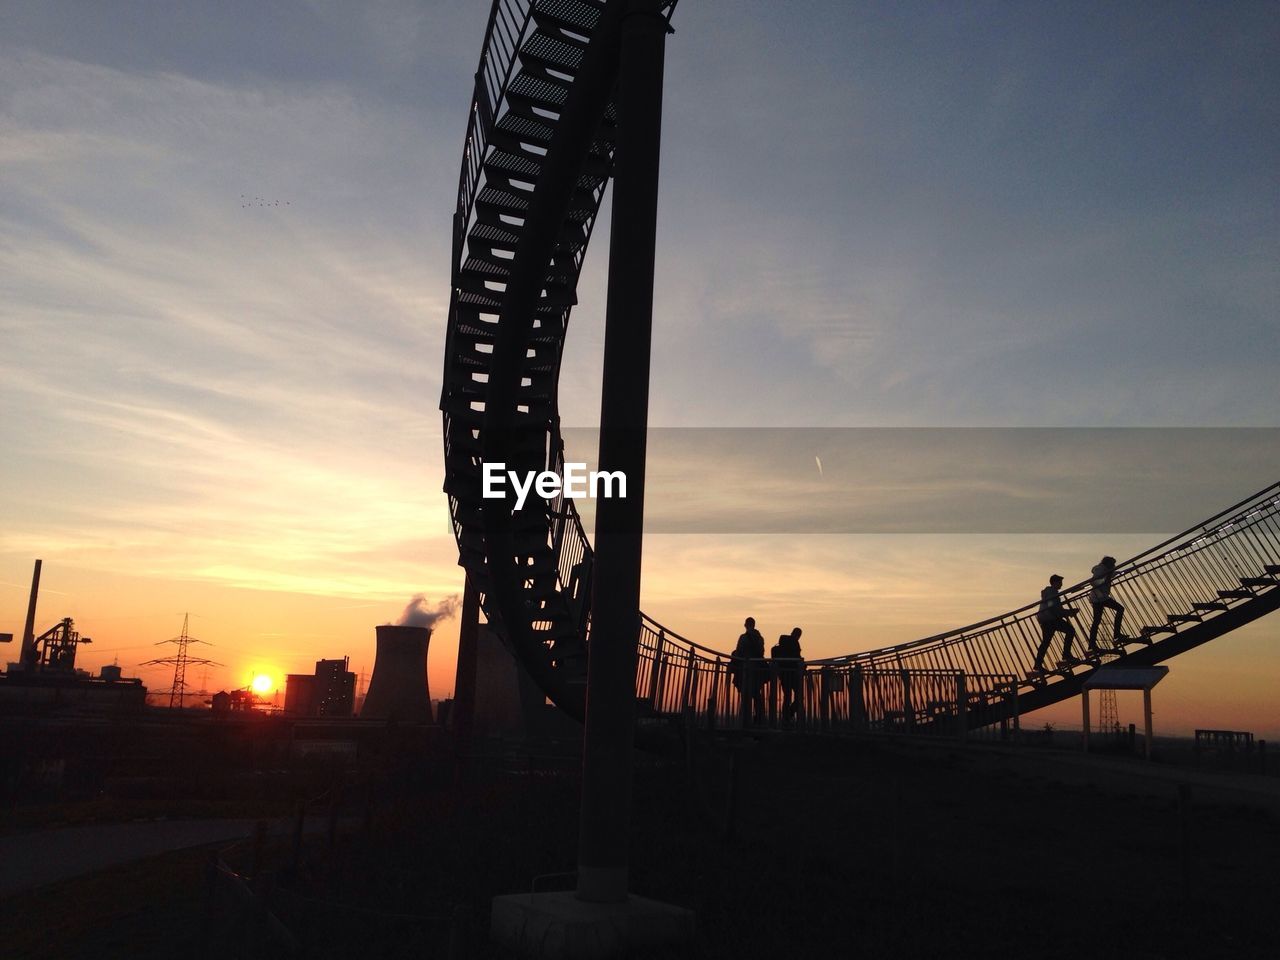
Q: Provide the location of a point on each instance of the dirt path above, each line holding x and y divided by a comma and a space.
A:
30, 860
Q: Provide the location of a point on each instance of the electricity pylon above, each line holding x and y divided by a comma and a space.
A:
1108, 714
181, 661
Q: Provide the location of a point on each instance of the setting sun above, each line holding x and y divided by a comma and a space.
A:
262, 684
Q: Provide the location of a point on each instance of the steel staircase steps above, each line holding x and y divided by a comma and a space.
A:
545, 52
548, 93
577, 15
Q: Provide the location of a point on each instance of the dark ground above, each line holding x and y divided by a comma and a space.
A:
870, 849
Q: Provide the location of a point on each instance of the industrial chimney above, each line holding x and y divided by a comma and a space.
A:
28, 655
398, 688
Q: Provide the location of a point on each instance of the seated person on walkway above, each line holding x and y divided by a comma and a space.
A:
786, 656
1052, 617
1100, 598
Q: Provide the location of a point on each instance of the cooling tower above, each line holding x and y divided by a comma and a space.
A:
398, 688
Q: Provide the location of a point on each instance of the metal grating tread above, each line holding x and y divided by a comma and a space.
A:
524, 128
494, 197
512, 163
573, 14
538, 90
559, 53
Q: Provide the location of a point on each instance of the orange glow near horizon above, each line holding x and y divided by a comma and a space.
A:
847, 593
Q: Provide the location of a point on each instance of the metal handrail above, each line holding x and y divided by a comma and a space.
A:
675, 674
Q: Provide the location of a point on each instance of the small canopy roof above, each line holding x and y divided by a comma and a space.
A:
1125, 678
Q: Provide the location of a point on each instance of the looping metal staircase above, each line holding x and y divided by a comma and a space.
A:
538, 156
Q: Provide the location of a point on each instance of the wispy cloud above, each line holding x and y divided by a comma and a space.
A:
210, 391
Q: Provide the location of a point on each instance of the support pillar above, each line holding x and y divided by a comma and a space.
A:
464, 685
1146, 716
624, 415
1084, 703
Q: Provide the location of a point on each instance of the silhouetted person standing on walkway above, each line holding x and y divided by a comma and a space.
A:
1052, 617
1100, 597
786, 657
747, 667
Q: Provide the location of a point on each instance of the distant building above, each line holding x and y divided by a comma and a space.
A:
329, 692
300, 694
335, 688
237, 701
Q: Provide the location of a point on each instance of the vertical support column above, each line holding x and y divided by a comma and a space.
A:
1084, 703
1146, 716
624, 415
464, 684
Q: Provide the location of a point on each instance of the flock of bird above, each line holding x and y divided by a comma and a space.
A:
247, 201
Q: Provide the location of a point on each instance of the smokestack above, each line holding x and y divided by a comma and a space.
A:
28, 657
398, 688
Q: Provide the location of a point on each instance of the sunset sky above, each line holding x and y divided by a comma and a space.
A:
224, 243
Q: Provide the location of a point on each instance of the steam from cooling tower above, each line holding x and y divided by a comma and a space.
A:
420, 612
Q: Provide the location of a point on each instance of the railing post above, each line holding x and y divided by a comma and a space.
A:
1017, 714
713, 701
962, 706
686, 696
908, 711
771, 685
857, 704
658, 646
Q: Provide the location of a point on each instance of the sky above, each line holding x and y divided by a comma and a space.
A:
224, 245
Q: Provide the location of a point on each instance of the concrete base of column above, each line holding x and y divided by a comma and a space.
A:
559, 926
